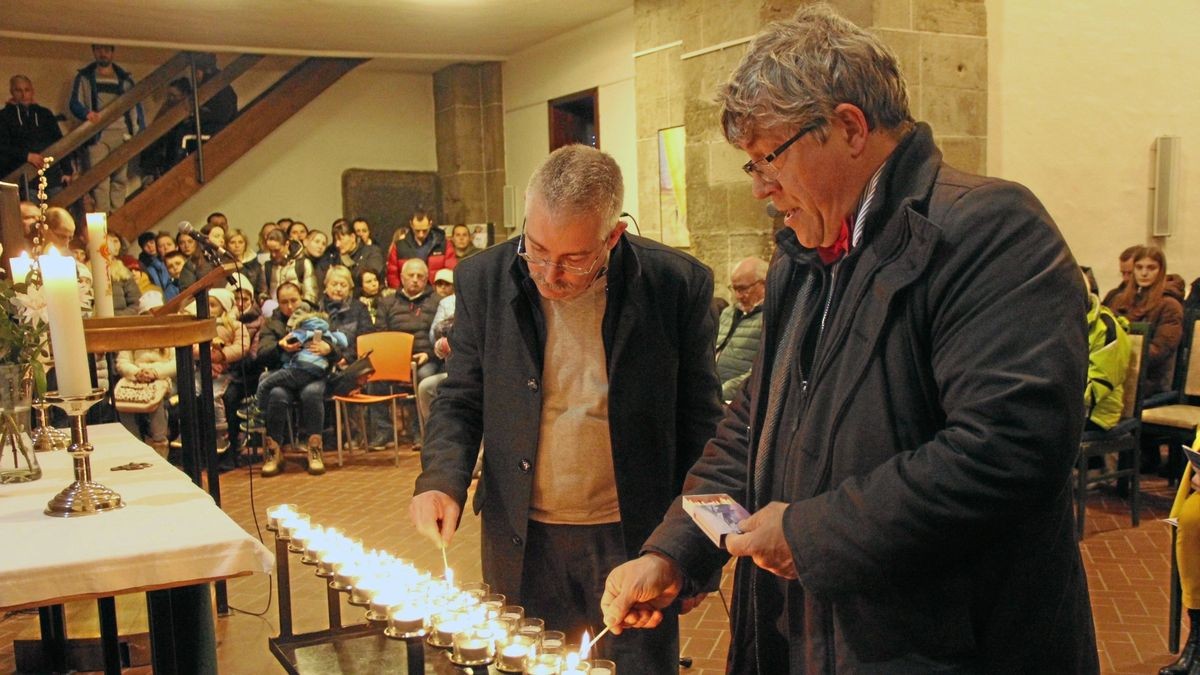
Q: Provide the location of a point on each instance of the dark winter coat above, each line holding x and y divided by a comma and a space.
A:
658, 333
926, 469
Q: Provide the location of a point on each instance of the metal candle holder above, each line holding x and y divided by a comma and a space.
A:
84, 496
45, 437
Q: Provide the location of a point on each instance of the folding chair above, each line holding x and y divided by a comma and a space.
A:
1176, 422
392, 358
1126, 436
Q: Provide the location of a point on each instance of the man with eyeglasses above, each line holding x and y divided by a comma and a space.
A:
583, 358
739, 328
905, 442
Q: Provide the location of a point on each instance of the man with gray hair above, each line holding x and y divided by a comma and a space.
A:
739, 329
583, 360
906, 437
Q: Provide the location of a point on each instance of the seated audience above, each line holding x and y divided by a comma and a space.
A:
175, 261
439, 335
362, 228
1108, 359
353, 254
411, 310
1125, 264
230, 346
148, 365
296, 230
197, 265
148, 258
287, 263
125, 292
464, 245
1148, 299
319, 254
740, 325
261, 251
421, 240
239, 250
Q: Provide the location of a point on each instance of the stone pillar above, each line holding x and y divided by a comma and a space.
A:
469, 122
687, 48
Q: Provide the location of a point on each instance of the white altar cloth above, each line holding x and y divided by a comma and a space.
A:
170, 533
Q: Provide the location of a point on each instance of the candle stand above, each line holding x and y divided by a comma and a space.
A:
84, 496
415, 623
355, 648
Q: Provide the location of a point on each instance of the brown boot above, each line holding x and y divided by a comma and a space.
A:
316, 463
272, 458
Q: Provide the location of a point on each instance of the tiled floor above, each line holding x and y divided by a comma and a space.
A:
1127, 567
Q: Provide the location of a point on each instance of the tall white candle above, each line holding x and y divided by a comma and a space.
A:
97, 231
20, 266
61, 290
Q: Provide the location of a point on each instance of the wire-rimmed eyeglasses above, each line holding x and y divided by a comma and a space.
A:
533, 261
763, 168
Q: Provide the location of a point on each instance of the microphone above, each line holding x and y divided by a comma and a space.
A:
772, 211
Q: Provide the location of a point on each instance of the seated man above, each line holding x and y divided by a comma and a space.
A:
740, 327
411, 310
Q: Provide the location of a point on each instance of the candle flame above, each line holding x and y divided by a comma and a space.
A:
449, 576
572, 661
585, 646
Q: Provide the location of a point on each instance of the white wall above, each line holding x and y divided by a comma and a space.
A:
599, 55
367, 120
1077, 95
372, 118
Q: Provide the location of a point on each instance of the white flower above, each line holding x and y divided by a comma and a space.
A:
32, 305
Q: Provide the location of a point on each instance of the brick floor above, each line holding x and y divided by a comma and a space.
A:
1127, 567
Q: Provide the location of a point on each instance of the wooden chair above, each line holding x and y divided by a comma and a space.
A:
1176, 421
1125, 437
392, 358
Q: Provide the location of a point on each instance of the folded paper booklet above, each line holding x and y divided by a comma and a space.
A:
718, 515
1193, 457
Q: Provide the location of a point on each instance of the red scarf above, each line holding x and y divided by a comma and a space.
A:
833, 253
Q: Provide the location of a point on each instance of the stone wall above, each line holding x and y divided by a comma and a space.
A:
469, 122
686, 48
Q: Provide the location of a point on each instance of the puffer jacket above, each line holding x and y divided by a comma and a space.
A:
1108, 359
738, 336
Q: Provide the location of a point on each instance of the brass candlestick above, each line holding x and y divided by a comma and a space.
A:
84, 496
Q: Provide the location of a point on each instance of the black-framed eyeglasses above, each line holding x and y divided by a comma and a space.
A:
533, 261
763, 168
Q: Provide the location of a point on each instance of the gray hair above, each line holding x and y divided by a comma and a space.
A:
578, 179
414, 263
12, 81
339, 271
797, 71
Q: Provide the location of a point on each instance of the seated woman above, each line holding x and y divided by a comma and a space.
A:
304, 349
1148, 299
148, 365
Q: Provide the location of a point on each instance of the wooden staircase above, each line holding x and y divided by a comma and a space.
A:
255, 121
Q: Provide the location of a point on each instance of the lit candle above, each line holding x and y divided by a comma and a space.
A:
512, 657
277, 512
602, 667
471, 648
21, 266
405, 620
574, 666
61, 290
98, 253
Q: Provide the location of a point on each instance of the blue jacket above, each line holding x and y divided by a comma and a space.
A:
84, 89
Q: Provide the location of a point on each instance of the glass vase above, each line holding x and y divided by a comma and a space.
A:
18, 462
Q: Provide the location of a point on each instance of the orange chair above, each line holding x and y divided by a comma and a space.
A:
392, 358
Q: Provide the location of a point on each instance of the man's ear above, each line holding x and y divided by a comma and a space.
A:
852, 125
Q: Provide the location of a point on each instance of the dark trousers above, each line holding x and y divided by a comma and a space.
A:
563, 579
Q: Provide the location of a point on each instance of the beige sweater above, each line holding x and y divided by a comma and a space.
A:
573, 479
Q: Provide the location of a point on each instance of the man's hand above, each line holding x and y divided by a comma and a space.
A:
36, 160
637, 591
441, 348
289, 346
320, 348
146, 375
435, 514
688, 604
764, 542
93, 116
421, 358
